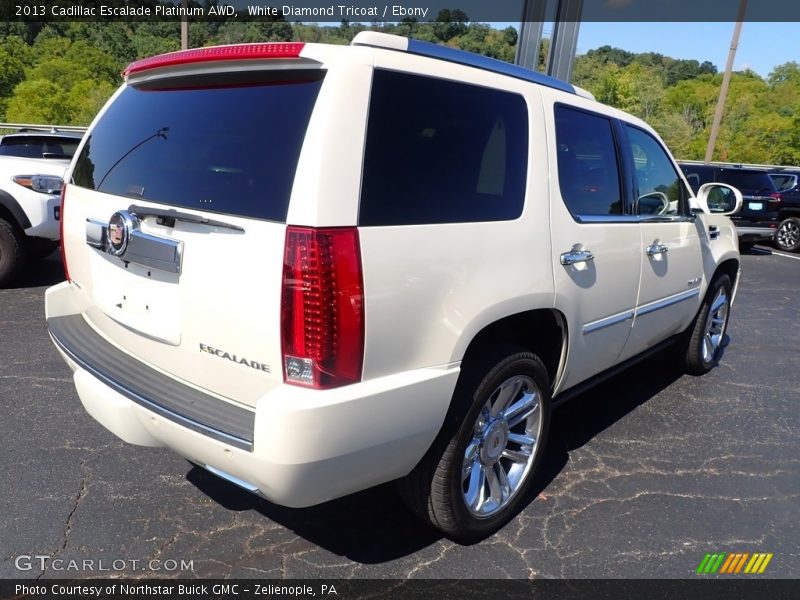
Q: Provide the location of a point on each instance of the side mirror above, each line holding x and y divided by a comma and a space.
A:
654, 203
718, 199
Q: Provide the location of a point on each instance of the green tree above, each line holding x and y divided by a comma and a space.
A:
15, 56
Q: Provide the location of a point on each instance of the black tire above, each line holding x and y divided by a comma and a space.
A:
698, 353
787, 238
12, 254
435, 489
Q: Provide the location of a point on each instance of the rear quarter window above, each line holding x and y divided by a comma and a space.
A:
230, 149
440, 151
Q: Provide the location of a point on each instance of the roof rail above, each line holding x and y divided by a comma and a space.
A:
716, 163
388, 41
44, 128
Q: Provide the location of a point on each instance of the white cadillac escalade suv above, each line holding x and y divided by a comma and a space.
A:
312, 269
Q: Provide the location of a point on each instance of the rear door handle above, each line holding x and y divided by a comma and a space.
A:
576, 256
655, 249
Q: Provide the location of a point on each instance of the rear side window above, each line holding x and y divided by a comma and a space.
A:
442, 152
224, 149
588, 171
784, 183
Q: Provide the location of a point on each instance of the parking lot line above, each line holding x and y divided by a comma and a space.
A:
775, 253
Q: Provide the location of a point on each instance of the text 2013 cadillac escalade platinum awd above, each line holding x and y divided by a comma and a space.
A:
313, 269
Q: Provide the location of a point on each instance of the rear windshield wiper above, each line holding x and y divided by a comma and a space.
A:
174, 215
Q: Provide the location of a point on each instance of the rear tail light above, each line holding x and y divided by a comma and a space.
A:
322, 307
61, 232
777, 197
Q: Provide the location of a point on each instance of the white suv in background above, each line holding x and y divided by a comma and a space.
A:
30, 203
313, 269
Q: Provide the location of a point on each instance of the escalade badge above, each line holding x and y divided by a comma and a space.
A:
120, 226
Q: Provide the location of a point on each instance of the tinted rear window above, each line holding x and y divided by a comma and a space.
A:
697, 175
231, 150
27, 147
442, 152
588, 172
748, 182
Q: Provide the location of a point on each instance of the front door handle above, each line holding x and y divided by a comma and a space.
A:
713, 232
655, 249
576, 256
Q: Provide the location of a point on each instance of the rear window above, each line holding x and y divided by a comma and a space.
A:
441, 151
27, 147
748, 182
223, 149
697, 175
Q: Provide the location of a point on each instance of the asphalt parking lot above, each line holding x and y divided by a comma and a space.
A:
643, 476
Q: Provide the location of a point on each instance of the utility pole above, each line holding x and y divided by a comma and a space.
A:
184, 26
726, 80
563, 42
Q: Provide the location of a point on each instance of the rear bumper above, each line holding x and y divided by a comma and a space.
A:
756, 232
305, 446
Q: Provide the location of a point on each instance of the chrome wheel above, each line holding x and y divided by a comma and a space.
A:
716, 323
505, 441
788, 235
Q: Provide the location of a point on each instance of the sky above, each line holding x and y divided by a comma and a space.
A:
762, 46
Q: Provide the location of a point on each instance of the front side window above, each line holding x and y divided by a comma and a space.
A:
441, 151
588, 171
661, 190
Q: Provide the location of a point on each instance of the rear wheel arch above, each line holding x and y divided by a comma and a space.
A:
788, 212
730, 268
540, 331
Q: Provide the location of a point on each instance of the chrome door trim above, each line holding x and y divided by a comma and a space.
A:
641, 219
651, 307
656, 249
608, 321
574, 257
605, 219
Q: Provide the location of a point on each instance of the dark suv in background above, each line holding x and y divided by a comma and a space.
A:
759, 218
788, 183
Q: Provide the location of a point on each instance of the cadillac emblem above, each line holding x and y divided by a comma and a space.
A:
119, 232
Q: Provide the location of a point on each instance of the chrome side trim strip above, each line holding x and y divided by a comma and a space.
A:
607, 322
605, 219
642, 219
665, 302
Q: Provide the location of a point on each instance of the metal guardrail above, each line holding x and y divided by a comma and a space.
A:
40, 127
